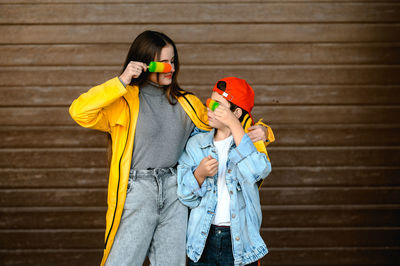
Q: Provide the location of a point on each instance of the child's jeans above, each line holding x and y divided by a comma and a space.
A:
218, 249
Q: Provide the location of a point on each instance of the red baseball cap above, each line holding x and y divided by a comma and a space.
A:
236, 91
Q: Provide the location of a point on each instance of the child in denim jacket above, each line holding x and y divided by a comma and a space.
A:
218, 174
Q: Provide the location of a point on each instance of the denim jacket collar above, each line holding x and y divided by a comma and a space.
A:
209, 140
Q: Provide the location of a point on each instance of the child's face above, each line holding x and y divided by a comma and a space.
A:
211, 117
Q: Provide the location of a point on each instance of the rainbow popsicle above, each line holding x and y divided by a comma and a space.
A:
159, 67
212, 104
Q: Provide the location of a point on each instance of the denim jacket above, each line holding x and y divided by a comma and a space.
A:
245, 166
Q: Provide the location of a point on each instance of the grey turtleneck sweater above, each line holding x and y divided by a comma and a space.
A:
162, 130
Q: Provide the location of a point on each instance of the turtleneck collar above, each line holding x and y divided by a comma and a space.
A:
152, 88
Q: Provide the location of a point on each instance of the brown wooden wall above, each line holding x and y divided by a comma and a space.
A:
327, 79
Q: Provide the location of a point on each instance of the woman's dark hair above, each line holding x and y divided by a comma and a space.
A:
147, 47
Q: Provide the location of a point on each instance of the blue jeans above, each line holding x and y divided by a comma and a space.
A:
218, 249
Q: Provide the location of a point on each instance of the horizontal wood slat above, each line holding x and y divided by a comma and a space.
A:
51, 257
265, 94
54, 198
326, 114
336, 135
322, 216
51, 218
54, 158
328, 196
201, 33
199, 13
175, 1
208, 75
345, 237
279, 216
280, 176
275, 115
37, 96
268, 196
201, 54
69, 136
53, 239
284, 256
42, 178
286, 135
275, 238
301, 156
335, 256
332, 176
370, 156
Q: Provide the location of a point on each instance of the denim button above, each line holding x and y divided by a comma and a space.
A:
229, 171
233, 215
231, 192
237, 238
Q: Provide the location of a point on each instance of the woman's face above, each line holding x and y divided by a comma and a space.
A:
167, 56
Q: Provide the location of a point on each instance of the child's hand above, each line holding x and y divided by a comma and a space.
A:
225, 116
207, 167
231, 120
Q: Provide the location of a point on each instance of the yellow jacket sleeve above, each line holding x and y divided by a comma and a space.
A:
89, 109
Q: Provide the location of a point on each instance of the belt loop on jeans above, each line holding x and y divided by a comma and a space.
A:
173, 170
133, 174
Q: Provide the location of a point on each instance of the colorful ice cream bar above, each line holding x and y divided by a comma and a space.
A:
159, 67
212, 104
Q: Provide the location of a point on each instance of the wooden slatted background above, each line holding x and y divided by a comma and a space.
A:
327, 79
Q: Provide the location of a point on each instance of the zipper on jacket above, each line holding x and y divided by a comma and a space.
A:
119, 174
245, 122
194, 110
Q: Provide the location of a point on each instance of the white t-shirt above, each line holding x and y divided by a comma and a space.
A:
222, 211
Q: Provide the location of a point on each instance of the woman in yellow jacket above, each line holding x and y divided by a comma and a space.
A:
148, 132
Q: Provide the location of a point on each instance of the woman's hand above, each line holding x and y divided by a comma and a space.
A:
207, 167
258, 132
132, 70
